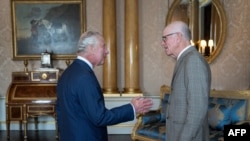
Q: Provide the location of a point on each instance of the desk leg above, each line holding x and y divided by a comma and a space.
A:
25, 115
8, 128
20, 126
25, 128
36, 123
56, 124
7, 121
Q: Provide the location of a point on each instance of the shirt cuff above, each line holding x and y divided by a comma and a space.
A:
133, 110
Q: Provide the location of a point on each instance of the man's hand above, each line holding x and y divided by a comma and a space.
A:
142, 105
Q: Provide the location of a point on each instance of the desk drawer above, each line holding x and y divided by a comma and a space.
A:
15, 112
40, 109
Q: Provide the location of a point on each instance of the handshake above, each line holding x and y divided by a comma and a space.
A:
142, 105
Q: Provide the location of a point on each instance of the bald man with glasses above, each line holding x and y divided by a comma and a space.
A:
186, 114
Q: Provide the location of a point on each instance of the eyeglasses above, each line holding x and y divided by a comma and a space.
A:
164, 38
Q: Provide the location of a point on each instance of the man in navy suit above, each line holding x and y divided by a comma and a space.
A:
81, 111
186, 115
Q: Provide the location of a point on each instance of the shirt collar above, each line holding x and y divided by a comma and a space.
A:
183, 51
86, 61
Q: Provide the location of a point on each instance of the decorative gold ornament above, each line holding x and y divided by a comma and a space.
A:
44, 76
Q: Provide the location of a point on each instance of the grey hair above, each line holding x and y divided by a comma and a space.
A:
185, 31
88, 38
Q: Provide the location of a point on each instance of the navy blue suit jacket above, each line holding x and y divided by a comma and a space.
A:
81, 111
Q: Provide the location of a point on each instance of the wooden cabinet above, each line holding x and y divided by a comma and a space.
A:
30, 95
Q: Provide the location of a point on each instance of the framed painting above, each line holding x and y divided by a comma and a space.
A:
47, 26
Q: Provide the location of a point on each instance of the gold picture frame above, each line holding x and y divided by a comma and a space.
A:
47, 25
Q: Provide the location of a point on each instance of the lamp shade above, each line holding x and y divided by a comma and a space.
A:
210, 43
203, 43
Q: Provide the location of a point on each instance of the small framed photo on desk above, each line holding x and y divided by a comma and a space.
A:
46, 60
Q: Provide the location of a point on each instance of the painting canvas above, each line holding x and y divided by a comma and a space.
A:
47, 26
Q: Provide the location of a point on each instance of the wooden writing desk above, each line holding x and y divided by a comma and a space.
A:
31, 94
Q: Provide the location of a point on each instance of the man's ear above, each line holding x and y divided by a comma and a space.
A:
179, 37
90, 49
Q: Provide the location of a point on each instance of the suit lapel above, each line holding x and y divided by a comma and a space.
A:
177, 65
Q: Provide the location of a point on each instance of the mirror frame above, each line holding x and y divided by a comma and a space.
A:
223, 24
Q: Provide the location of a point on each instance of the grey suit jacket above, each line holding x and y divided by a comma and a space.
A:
186, 115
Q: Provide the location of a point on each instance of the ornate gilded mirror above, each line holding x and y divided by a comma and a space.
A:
207, 22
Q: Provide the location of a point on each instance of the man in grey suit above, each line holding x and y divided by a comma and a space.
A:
186, 115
